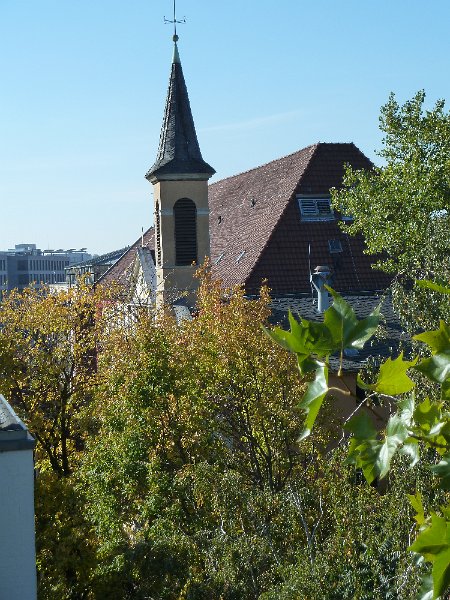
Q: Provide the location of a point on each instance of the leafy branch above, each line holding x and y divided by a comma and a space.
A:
411, 425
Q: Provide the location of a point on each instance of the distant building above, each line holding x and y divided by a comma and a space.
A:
93, 268
26, 265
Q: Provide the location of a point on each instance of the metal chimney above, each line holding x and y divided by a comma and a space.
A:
319, 278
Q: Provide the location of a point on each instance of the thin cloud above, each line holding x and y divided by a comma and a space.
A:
254, 123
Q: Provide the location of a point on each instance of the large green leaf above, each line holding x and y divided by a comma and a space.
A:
286, 339
374, 455
315, 337
392, 378
426, 589
411, 450
347, 331
445, 390
428, 416
396, 434
313, 398
441, 573
416, 503
406, 408
307, 339
361, 425
433, 543
438, 340
437, 367
442, 470
433, 286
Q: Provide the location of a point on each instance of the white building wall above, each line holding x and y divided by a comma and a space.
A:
17, 540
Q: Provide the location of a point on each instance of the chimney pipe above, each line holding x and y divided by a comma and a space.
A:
319, 278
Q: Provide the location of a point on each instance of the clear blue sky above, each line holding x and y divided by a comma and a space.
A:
83, 85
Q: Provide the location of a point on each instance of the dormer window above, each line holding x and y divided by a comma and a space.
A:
315, 209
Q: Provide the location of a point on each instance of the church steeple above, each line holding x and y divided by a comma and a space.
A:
179, 155
180, 191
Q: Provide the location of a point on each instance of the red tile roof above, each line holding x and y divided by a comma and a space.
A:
121, 271
257, 232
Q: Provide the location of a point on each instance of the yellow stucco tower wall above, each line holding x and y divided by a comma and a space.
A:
174, 281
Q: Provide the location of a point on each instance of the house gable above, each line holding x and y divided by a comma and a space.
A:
299, 242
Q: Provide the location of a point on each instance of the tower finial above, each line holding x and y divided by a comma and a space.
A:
174, 21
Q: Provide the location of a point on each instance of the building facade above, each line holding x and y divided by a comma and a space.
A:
17, 548
26, 265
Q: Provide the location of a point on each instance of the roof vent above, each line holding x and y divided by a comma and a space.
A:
240, 256
252, 202
219, 219
334, 246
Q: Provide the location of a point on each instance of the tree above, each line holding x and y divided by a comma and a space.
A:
47, 371
47, 353
403, 207
197, 486
417, 429
197, 421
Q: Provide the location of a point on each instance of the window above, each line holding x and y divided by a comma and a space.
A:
185, 216
23, 280
334, 246
315, 209
22, 265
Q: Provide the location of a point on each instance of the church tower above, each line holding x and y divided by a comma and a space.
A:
180, 187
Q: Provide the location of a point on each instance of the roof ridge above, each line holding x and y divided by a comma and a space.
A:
267, 163
129, 249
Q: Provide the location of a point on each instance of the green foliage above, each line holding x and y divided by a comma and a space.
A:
65, 546
409, 426
197, 485
398, 206
47, 360
47, 371
187, 479
197, 431
403, 207
314, 343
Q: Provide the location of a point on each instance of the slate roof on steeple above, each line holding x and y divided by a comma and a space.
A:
179, 151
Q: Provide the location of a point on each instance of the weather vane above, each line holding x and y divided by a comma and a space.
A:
174, 21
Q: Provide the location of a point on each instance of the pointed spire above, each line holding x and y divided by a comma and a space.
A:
176, 56
179, 152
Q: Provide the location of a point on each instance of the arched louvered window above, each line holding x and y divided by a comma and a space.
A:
185, 215
158, 235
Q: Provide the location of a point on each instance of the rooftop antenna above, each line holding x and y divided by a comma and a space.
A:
174, 21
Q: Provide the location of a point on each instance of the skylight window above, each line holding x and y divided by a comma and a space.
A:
315, 209
334, 246
219, 258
